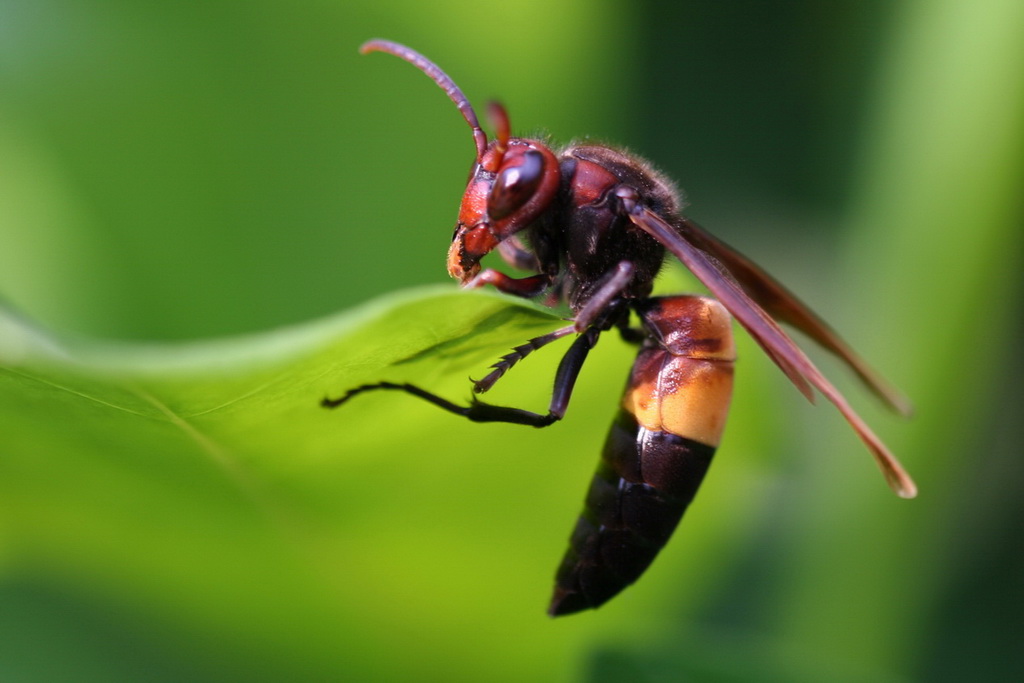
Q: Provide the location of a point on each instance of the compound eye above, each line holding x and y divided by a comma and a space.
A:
515, 185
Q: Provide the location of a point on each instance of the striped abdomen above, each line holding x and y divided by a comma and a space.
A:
657, 452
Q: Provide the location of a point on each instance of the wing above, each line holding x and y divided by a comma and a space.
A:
719, 278
785, 307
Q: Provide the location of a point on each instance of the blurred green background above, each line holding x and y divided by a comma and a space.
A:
180, 171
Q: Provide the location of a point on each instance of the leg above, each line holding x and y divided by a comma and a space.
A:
515, 253
632, 335
613, 285
517, 354
527, 287
477, 411
595, 307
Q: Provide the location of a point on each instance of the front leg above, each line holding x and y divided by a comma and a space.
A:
526, 288
517, 255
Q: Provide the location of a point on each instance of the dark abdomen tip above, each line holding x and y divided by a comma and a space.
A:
626, 520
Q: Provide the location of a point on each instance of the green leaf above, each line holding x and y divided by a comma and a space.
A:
195, 501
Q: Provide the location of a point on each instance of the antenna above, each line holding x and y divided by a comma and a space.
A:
439, 77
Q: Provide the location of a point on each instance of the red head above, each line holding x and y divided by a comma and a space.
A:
512, 182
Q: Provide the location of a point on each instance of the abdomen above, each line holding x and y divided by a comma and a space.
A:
654, 459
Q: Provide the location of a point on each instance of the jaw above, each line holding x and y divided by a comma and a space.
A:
469, 245
461, 266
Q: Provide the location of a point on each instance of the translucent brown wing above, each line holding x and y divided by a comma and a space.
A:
719, 278
785, 307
